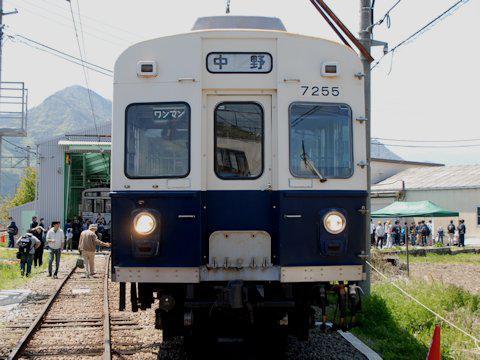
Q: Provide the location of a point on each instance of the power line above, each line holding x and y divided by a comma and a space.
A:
426, 141
424, 28
433, 146
386, 16
48, 49
102, 22
83, 67
19, 147
49, 19
86, 79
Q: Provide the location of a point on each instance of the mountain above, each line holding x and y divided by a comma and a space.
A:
63, 112
66, 111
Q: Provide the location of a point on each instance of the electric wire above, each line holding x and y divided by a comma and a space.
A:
386, 16
426, 141
19, 147
423, 29
50, 20
87, 85
101, 22
433, 146
91, 65
63, 16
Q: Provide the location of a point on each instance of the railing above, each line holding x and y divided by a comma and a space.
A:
13, 108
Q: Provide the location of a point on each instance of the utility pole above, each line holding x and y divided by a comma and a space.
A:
366, 40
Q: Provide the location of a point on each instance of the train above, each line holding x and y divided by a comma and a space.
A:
239, 180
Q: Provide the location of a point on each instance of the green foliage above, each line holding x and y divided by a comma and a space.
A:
25, 193
461, 258
398, 328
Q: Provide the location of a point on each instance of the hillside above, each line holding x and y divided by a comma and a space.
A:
63, 112
66, 111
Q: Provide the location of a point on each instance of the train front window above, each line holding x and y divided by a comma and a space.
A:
321, 133
157, 140
238, 140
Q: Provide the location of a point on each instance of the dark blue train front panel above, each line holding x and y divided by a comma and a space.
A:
186, 219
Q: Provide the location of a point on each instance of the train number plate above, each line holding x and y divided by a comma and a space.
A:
315, 90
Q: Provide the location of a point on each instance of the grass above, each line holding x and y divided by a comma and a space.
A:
462, 258
10, 277
398, 328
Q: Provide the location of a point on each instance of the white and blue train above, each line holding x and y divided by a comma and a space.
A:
239, 177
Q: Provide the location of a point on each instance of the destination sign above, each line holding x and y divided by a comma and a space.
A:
239, 63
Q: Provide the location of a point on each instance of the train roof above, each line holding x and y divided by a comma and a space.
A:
238, 22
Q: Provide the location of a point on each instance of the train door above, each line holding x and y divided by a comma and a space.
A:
239, 173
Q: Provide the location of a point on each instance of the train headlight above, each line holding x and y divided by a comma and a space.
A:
334, 222
144, 223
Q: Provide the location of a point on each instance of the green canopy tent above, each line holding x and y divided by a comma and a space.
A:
402, 209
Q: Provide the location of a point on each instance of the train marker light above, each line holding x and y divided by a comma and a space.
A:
144, 223
330, 69
146, 69
334, 222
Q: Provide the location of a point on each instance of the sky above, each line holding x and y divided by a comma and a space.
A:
427, 91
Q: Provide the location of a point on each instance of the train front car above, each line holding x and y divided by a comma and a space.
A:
239, 178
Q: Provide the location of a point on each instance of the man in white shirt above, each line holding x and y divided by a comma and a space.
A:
55, 241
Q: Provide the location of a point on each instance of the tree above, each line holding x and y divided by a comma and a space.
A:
25, 193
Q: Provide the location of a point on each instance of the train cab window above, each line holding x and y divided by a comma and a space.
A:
238, 140
321, 140
157, 140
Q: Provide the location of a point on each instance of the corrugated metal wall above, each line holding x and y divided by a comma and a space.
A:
22, 215
51, 177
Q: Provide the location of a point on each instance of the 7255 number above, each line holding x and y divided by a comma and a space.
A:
320, 90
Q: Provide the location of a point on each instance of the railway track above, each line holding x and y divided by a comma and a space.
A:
74, 322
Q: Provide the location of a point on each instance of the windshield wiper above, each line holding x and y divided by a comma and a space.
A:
310, 165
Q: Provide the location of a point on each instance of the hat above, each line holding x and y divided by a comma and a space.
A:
92, 226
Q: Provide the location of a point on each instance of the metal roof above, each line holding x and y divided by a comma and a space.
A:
433, 178
239, 22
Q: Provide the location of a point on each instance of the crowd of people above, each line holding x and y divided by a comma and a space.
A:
84, 235
389, 234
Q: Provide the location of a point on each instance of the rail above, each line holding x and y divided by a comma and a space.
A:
22, 343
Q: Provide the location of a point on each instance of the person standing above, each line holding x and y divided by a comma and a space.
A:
379, 235
462, 229
55, 241
34, 223
451, 233
389, 235
26, 250
440, 234
372, 233
430, 233
69, 235
76, 229
38, 255
12, 230
87, 246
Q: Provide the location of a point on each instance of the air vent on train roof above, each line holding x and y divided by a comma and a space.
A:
239, 22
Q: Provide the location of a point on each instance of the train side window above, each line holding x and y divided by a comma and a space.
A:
157, 140
238, 128
321, 135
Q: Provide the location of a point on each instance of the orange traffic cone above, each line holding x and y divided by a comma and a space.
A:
435, 353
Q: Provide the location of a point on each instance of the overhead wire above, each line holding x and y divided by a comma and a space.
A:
426, 141
50, 20
87, 85
386, 16
101, 22
46, 48
423, 29
18, 146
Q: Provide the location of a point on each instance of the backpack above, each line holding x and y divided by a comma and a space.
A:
427, 230
24, 245
451, 228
